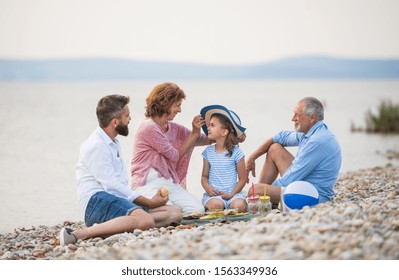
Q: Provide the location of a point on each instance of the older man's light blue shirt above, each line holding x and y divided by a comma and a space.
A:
317, 161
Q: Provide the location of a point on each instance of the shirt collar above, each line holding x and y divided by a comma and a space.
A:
314, 128
104, 136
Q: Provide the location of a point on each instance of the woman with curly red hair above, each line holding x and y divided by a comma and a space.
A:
162, 149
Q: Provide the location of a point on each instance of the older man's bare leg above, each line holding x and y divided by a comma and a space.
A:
277, 161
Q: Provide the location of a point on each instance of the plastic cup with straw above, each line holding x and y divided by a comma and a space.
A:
253, 202
265, 204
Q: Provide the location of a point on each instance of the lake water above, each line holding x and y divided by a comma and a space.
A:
43, 124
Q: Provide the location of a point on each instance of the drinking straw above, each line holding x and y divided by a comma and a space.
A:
253, 190
264, 191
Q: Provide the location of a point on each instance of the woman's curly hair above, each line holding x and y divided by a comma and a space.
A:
161, 98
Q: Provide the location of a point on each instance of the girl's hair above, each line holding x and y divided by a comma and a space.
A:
161, 98
109, 107
231, 139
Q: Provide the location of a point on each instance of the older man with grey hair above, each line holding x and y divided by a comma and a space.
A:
317, 161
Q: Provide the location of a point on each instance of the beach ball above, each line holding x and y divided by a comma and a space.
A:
299, 194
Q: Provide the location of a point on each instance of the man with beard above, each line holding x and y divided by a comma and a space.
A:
108, 204
317, 161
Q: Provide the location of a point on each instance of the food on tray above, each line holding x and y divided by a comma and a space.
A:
230, 212
193, 216
196, 214
217, 213
210, 216
214, 214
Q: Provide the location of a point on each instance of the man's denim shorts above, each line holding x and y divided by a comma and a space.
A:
103, 207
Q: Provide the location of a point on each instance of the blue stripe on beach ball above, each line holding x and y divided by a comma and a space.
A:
300, 194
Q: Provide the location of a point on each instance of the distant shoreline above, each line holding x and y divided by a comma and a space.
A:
111, 69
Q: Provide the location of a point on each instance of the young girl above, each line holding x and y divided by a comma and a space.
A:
223, 161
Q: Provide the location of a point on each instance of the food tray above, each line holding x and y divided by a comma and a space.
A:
231, 218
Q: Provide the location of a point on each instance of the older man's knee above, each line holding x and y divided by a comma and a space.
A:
275, 149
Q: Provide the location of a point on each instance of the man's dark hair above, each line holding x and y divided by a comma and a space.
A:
109, 107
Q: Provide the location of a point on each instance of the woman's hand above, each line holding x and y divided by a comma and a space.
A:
192, 139
197, 123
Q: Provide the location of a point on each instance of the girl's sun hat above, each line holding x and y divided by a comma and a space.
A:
208, 111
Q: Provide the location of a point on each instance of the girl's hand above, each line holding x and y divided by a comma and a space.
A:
226, 196
213, 192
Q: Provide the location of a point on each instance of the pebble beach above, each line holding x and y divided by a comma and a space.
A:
361, 223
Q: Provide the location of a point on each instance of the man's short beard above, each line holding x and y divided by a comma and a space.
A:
298, 129
122, 130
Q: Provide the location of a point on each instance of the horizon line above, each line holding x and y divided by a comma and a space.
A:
321, 56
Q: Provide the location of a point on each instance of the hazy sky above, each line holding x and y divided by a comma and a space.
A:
208, 31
